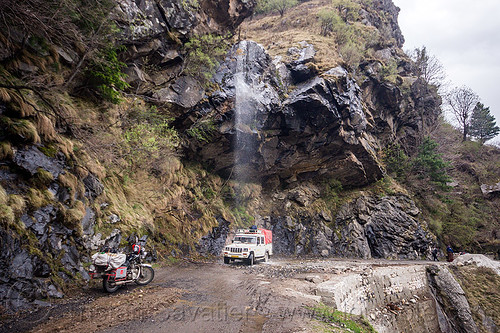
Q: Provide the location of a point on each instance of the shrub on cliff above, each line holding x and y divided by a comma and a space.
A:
105, 75
202, 55
429, 163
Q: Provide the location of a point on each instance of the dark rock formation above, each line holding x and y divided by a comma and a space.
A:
54, 243
302, 67
368, 227
387, 23
214, 242
308, 235
319, 129
381, 228
154, 31
30, 159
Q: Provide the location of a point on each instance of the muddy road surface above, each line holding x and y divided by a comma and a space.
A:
277, 296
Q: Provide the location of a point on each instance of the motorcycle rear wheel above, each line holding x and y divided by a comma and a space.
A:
109, 285
146, 276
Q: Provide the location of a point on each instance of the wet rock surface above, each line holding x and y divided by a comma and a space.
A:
31, 159
46, 250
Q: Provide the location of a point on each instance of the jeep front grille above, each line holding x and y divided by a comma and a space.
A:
236, 249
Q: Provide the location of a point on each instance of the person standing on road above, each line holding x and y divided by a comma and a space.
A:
435, 254
449, 252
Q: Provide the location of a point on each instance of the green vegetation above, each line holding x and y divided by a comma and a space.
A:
331, 193
148, 137
341, 322
190, 4
203, 53
482, 125
105, 75
348, 10
352, 38
396, 160
389, 71
429, 163
202, 131
271, 6
242, 217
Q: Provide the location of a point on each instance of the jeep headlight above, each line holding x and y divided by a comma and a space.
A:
245, 249
227, 248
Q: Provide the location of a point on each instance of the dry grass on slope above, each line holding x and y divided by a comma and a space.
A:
277, 34
482, 289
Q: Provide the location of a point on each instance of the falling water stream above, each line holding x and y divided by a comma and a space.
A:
246, 99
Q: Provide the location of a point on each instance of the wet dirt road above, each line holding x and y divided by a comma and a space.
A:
208, 297
190, 297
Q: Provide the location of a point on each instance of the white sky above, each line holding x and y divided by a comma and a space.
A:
465, 36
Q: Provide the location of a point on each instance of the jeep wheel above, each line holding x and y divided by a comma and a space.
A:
266, 257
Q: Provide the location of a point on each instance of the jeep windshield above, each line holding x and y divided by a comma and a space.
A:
245, 240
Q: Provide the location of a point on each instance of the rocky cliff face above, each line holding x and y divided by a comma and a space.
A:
48, 207
320, 127
303, 125
324, 126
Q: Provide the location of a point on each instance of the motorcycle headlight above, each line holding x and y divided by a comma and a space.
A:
91, 268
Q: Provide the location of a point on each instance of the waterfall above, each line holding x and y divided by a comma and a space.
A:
245, 108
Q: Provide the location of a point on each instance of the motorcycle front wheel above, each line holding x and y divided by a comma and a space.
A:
145, 276
109, 285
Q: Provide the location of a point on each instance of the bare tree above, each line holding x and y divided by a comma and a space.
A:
281, 6
462, 101
428, 67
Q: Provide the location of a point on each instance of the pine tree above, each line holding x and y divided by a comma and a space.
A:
483, 126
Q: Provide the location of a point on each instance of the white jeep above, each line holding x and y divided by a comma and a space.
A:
250, 245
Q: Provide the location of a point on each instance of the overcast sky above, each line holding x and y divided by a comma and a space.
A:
465, 36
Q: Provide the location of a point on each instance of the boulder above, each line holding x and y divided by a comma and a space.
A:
451, 300
301, 63
138, 19
185, 92
490, 191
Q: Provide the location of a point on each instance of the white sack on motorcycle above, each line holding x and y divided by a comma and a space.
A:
110, 260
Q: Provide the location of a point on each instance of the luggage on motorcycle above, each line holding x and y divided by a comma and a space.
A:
110, 260
121, 272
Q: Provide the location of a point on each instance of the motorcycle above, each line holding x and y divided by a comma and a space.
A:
119, 269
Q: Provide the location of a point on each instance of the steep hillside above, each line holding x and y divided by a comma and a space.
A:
155, 117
